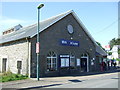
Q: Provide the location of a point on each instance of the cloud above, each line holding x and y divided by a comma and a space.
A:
6, 22
11, 21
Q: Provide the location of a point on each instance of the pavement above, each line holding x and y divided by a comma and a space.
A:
53, 81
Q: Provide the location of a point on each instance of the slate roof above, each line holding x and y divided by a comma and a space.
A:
100, 51
31, 31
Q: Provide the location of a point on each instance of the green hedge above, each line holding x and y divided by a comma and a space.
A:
118, 59
5, 77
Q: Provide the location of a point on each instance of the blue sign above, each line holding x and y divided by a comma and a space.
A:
69, 42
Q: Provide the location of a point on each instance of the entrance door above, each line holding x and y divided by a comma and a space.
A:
83, 64
4, 64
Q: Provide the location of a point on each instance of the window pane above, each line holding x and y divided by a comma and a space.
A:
51, 61
54, 60
48, 60
54, 66
67, 62
72, 62
19, 64
62, 62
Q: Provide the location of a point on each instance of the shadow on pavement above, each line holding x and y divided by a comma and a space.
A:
38, 87
75, 80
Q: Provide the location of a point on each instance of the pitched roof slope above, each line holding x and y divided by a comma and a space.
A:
31, 30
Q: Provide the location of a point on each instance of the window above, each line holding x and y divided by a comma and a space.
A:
51, 61
84, 55
72, 60
64, 62
19, 64
78, 62
4, 64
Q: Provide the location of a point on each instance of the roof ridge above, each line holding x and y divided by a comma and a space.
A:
69, 11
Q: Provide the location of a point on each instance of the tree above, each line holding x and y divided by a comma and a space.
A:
114, 42
118, 51
118, 41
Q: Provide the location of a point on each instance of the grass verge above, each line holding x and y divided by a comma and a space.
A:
8, 76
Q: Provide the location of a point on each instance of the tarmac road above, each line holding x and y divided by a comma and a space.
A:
109, 81
105, 80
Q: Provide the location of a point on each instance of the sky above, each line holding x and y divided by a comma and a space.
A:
100, 18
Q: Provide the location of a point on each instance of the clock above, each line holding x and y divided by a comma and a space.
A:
70, 29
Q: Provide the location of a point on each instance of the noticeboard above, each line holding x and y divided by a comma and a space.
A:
64, 60
78, 62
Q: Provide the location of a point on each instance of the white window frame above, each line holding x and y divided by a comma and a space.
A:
72, 57
51, 64
7, 65
87, 57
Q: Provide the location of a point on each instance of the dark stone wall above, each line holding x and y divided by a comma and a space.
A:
49, 41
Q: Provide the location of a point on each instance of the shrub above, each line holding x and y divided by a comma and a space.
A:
118, 59
9, 76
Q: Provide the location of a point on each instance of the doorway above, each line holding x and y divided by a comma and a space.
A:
84, 63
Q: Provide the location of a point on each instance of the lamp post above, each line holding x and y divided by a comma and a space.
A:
38, 40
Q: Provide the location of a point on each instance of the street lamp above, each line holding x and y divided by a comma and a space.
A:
38, 40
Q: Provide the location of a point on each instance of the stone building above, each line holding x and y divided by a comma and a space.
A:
66, 47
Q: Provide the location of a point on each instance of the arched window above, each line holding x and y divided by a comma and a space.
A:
51, 61
84, 55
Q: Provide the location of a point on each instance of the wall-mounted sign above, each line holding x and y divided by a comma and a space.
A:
78, 62
69, 42
64, 62
64, 59
64, 55
37, 47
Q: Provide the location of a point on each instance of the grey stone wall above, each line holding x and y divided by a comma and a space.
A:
15, 51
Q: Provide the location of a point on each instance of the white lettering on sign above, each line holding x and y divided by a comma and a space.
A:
69, 42
64, 42
64, 56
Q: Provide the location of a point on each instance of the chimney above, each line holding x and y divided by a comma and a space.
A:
15, 28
